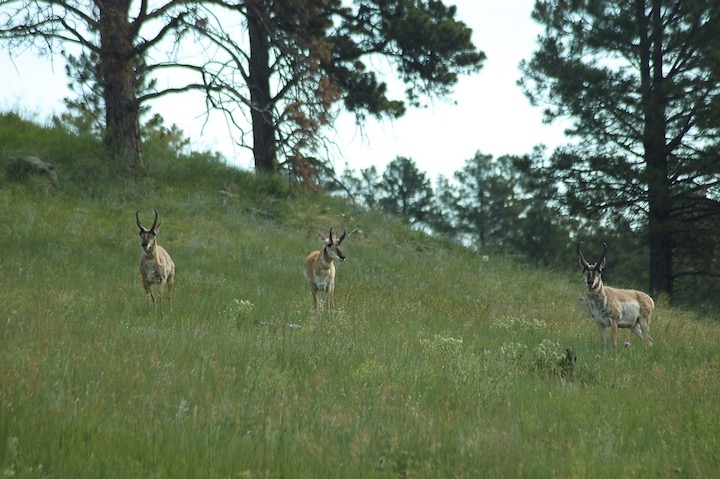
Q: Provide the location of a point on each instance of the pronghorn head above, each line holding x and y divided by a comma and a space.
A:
332, 245
148, 235
592, 272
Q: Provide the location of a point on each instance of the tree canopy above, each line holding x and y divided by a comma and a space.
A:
280, 70
640, 81
117, 41
298, 63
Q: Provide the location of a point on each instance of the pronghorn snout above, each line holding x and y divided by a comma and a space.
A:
336, 254
591, 279
146, 240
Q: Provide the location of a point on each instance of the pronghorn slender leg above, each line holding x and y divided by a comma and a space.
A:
603, 339
170, 285
614, 332
163, 297
639, 331
330, 297
314, 292
648, 339
148, 293
645, 331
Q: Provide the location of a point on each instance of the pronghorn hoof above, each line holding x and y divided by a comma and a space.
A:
627, 345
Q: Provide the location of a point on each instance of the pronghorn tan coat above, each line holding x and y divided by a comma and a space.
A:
616, 308
156, 266
320, 269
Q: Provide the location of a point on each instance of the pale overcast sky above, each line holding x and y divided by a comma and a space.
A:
487, 112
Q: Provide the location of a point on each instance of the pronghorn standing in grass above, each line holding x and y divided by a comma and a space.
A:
320, 269
156, 266
615, 308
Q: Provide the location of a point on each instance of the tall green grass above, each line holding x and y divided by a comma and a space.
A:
437, 363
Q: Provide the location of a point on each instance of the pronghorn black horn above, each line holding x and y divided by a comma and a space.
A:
342, 237
137, 219
330, 238
580, 253
154, 222
602, 257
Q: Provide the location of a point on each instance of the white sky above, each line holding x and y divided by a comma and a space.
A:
488, 112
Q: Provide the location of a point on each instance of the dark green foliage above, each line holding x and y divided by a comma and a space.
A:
359, 188
490, 205
485, 201
425, 42
280, 82
404, 190
110, 75
422, 41
641, 84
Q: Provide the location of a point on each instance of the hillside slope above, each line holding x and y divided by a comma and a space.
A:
437, 362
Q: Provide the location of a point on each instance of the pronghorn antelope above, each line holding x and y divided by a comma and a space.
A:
320, 269
615, 308
156, 266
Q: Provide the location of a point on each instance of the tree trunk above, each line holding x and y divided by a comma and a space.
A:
264, 146
660, 229
117, 73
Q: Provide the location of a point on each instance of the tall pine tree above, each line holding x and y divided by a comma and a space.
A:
640, 80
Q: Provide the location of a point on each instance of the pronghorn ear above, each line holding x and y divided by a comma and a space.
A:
601, 266
322, 238
157, 227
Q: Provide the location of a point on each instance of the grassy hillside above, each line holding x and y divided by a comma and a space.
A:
438, 363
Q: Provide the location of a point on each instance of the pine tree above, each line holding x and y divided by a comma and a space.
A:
640, 81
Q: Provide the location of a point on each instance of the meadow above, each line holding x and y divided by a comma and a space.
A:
438, 362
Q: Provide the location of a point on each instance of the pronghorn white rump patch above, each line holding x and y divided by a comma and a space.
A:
629, 312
